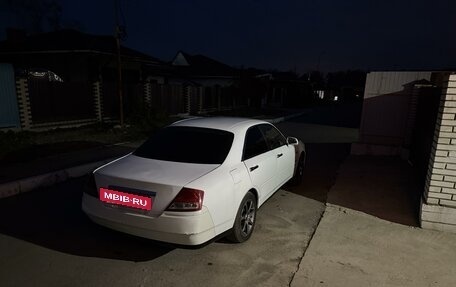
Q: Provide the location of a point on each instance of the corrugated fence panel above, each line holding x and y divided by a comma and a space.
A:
380, 83
9, 112
387, 108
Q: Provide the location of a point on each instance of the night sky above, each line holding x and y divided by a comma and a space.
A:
303, 35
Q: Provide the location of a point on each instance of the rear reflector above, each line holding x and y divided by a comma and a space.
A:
187, 199
90, 187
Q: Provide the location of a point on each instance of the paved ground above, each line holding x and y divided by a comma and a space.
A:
351, 248
314, 133
339, 115
48, 241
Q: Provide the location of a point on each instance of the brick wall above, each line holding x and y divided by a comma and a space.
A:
438, 210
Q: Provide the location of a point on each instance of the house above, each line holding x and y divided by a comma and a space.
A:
277, 89
210, 85
215, 86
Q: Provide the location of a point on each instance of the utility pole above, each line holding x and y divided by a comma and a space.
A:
119, 63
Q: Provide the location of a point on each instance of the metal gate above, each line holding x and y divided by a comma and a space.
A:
9, 112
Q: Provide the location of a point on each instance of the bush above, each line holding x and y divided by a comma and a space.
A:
10, 141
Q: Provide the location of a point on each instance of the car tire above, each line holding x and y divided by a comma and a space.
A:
299, 172
244, 223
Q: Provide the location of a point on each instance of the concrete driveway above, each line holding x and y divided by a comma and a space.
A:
46, 240
351, 248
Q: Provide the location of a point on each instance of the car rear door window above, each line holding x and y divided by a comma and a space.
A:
254, 144
273, 137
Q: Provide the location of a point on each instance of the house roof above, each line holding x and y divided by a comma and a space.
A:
271, 74
69, 40
199, 65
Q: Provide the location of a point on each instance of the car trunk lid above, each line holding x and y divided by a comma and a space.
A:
157, 179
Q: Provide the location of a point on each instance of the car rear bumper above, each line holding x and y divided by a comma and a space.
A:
186, 228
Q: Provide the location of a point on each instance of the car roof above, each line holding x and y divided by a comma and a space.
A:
221, 123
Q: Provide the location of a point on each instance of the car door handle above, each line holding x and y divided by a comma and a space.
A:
279, 155
253, 168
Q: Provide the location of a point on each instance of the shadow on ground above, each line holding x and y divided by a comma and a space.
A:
52, 218
385, 187
320, 172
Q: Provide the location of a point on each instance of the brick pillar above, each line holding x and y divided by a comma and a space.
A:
187, 98
98, 99
438, 210
148, 94
200, 98
218, 92
23, 100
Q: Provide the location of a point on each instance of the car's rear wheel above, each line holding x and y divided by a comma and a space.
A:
245, 219
299, 172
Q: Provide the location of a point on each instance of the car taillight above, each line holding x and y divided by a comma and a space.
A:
188, 199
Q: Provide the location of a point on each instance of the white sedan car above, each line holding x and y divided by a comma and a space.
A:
195, 180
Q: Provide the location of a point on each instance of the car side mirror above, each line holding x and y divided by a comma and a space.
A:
292, 141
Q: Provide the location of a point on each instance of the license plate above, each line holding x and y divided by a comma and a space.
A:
125, 199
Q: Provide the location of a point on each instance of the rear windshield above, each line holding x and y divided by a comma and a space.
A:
187, 144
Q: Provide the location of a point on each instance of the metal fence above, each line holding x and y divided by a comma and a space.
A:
60, 101
54, 103
168, 99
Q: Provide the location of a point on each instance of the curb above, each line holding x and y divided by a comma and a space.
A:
28, 184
